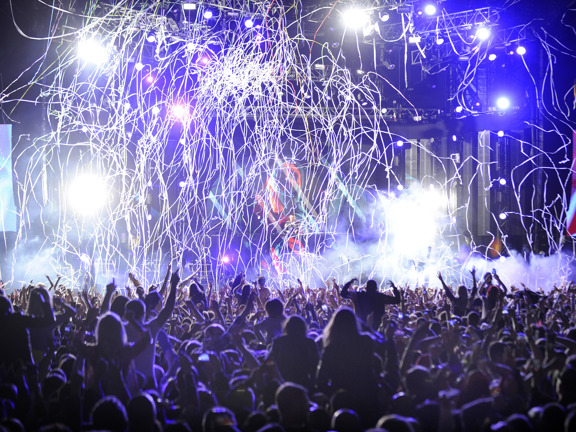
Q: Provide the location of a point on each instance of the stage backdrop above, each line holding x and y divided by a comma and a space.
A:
7, 207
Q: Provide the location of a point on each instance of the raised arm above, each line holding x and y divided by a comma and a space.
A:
110, 288
165, 282
449, 293
168, 308
345, 293
474, 283
504, 287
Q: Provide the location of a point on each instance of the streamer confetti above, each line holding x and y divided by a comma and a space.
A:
242, 136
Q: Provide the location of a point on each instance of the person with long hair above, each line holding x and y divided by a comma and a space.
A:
349, 364
295, 354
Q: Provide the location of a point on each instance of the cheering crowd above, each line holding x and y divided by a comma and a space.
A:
247, 357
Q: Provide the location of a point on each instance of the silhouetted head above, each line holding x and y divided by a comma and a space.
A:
38, 296
152, 300
118, 305
218, 419
292, 402
109, 414
371, 286
5, 306
137, 308
110, 333
274, 307
295, 326
342, 327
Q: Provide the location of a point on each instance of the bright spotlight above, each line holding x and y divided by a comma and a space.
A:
503, 216
502, 181
208, 14
492, 57
225, 259
155, 110
430, 9
87, 194
138, 66
459, 109
454, 138
521, 50
182, 184
355, 18
180, 112
149, 79
400, 187
503, 103
414, 230
151, 37
500, 134
400, 143
483, 33
249, 23
92, 51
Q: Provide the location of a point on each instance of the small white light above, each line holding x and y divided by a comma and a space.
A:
208, 14
500, 134
521, 50
503, 215
182, 184
439, 40
138, 66
400, 187
454, 138
149, 217
502, 181
400, 143
492, 57
459, 109
155, 110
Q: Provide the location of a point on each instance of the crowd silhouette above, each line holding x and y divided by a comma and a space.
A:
179, 356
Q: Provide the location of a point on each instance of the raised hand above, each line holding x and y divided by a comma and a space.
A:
175, 278
111, 287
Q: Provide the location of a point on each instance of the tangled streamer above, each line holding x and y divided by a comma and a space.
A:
226, 147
